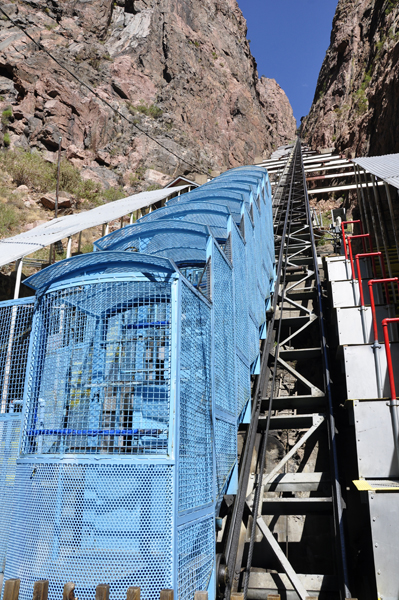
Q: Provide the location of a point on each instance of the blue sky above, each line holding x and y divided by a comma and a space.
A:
289, 39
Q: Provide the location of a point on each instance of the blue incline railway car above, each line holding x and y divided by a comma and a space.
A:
123, 381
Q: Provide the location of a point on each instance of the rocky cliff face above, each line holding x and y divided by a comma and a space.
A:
180, 70
355, 105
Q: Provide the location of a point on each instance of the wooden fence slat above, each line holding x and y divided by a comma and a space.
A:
69, 591
201, 596
11, 589
40, 590
102, 591
133, 593
166, 595
273, 597
237, 596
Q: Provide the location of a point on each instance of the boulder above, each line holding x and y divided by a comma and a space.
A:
48, 201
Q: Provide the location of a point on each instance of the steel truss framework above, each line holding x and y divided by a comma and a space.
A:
294, 350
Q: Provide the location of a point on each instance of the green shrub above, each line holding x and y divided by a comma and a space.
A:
152, 187
149, 110
6, 139
9, 218
113, 194
6, 116
391, 5
361, 102
32, 170
29, 169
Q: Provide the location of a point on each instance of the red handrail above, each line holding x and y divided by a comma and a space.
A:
385, 324
354, 237
359, 275
344, 236
373, 309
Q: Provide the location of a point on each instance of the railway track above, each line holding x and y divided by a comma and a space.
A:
297, 547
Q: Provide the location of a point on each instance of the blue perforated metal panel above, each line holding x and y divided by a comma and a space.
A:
226, 451
100, 379
10, 428
224, 345
240, 291
243, 384
15, 327
195, 444
196, 552
92, 523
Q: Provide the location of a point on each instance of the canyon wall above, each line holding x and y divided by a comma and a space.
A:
355, 104
181, 71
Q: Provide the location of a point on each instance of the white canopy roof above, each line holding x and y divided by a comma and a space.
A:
21, 245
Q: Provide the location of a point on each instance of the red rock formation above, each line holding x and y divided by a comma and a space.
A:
355, 105
180, 70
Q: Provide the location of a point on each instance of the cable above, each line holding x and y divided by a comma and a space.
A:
72, 74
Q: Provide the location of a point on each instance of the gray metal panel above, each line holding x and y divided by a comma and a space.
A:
25, 243
346, 293
355, 325
374, 439
360, 371
385, 167
384, 520
339, 269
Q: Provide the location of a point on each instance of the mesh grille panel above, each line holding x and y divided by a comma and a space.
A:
254, 339
92, 523
244, 385
251, 264
196, 548
10, 428
15, 324
241, 290
101, 370
195, 460
224, 373
226, 451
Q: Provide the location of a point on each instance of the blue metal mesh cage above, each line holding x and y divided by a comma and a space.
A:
196, 550
226, 451
10, 428
195, 431
240, 291
101, 370
89, 523
136, 376
15, 324
224, 342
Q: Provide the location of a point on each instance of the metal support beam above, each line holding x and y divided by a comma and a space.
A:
69, 247
18, 270
274, 545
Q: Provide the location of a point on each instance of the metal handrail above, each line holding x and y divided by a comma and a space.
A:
359, 275
344, 236
372, 282
392, 401
363, 236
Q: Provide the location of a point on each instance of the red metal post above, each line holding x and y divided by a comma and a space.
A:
373, 309
354, 237
385, 324
343, 223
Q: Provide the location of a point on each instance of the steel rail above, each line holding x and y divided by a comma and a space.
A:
235, 520
265, 436
338, 507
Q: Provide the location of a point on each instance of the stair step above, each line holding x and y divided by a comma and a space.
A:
300, 353
299, 403
298, 482
289, 421
296, 506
